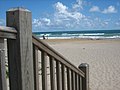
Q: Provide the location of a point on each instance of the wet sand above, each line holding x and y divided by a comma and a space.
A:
103, 57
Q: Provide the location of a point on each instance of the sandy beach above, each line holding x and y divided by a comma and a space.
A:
103, 57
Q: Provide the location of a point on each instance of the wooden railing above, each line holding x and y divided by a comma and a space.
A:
63, 68
29, 58
5, 33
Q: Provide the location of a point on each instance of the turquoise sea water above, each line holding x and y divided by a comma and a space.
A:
96, 34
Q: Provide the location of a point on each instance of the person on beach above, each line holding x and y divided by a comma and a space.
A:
43, 36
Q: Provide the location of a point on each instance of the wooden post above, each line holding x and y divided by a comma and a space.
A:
3, 85
85, 81
20, 53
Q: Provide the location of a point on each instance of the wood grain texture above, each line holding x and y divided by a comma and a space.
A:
20, 53
3, 85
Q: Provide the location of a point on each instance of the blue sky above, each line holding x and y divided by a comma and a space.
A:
62, 15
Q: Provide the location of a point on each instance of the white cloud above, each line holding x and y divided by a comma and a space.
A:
94, 9
41, 22
105, 23
64, 13
78, 4
60, 7
36, 22
46, 21
110, 9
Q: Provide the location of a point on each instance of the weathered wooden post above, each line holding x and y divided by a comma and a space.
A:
20, 56
3, 85
85, 81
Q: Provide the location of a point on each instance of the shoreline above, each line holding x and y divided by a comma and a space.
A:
53, 41
80, 38
90, 38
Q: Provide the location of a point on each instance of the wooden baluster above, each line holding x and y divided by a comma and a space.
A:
52, 73
58, 75
63, 77
44, 70
76, 81
68, 79
35, 62
72, 87
73, 80
81, 83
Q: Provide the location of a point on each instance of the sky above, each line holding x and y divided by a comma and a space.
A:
67, 15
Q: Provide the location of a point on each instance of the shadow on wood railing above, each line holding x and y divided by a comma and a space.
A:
25, 51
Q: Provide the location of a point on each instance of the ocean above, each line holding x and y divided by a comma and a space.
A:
96, 34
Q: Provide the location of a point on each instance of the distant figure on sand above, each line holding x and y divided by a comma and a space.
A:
43, 36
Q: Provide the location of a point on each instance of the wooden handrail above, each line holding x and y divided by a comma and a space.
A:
8, 32
50, 51
7, 29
